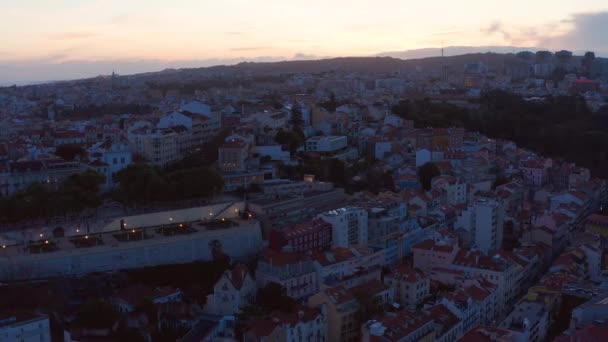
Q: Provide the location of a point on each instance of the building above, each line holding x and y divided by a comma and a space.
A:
529, 321
598, 224
304, 324
281, 211
234, 290
401, 326
133, 297
348, 266
24, 327
326, 143
232, 156
495, 269
536, 171
595, 309
294, 272
411, 286
302, 237
331, 147
343, 305
484, 222
160, 147
349, 226
437, 252
111, 251
201, 121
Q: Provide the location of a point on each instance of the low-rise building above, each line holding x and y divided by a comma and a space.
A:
24, 326
293, 271
234, 290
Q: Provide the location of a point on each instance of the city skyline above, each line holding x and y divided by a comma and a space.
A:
46, 40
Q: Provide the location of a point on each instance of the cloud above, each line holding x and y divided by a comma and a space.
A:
589, 31
579, 32
305, 56
119, 19
498, 28
234, 33
250, 48
73, 35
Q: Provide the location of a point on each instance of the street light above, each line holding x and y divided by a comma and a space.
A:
86, 236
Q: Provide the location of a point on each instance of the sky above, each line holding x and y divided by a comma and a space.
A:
60, 39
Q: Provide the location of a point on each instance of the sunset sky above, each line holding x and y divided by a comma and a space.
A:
40, 37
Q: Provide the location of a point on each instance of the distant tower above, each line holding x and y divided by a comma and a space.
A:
113, 80
444, 67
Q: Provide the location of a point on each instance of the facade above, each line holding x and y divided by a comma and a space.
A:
232, 156
484, 222
347, 266
276, 213
131, 298
234, 290
326, 143
349, 226
411, 286
536, 171
24, 327
496, 269
342, 313
434, 253
294, 272
160, 147
302, 237
17, 176
529, 321
402, 326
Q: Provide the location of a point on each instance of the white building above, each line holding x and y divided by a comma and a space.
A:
115, 156
349, 226
160, 147
24, 327
275, 152
309, 324
529, 321
232, 292
423, 156
484, 221
330, 143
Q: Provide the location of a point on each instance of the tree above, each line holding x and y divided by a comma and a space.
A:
97, 314
426, 173
294, 139
296, 121
70, 152
331, 104
274, 297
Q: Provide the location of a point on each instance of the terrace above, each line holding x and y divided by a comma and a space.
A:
86, 241
42, 246
115, 238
